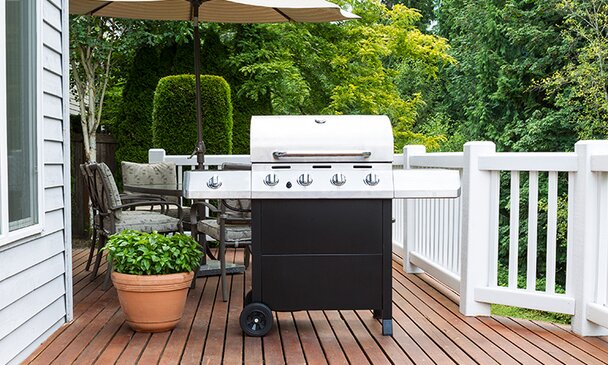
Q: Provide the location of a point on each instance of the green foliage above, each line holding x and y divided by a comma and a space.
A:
174, 116
531, 314
133, 130
138, 253
580, 87
503, 48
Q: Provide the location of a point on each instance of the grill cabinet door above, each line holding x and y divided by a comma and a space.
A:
320, 254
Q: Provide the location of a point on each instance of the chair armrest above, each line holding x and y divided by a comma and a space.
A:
149, 203
196, 205
138, 196
230, 219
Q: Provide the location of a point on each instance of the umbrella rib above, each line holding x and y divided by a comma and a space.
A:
92, 12
283, 14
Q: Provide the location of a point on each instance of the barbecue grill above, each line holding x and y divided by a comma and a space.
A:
321, 190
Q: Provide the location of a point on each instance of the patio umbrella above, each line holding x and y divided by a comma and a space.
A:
220, 11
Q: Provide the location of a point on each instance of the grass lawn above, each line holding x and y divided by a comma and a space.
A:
507, 311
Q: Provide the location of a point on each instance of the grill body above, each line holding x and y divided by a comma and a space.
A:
323, 254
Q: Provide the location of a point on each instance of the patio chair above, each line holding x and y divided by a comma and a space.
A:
162, 173
112, 217
126, 198
231, 228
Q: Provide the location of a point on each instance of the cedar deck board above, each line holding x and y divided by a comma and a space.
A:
426, 325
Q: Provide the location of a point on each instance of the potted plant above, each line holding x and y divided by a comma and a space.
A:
152, 274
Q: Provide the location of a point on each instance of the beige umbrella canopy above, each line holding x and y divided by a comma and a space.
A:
219, 11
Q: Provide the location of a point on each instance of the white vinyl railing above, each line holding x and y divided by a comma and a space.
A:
457, 240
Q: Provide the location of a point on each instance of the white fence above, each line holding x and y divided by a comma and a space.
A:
457, 240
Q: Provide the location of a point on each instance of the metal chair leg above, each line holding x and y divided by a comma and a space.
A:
102, 243
107, 281
92, 250
222, 258
247, 256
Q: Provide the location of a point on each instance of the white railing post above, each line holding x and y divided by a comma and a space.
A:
156, 155
475, 241
409, 239
584, 241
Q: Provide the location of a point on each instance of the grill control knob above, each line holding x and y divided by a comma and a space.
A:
338, 179
271, 180
371, 180
214, 182
304, 180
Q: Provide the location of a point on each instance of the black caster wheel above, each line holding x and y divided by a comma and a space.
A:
248, 297
256, 319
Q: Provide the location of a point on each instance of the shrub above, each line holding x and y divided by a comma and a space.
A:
139, 253
133, 130
174, 115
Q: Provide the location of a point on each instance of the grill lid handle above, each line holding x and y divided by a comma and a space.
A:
283, 154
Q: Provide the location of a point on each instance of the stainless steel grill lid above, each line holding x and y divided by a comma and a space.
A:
327, 138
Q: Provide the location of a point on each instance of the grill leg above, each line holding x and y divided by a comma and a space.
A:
387, 327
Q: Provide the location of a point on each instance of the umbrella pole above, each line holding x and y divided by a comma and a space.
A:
200, 145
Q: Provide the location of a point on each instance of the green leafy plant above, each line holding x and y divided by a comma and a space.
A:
139, 253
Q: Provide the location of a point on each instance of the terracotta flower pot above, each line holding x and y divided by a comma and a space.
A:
152, 303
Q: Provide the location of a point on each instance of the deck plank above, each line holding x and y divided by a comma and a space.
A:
428, 328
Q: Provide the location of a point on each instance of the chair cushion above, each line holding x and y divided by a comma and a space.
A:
235, 233
148, 173
243, 204
146, 221
111, 193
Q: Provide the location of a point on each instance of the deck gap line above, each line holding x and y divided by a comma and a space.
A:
126, 346
509, 328
198, 303
457, 329
438, 303
217, 289
143, 348
374, 337
75, 336
432, 338
588, 340
109, 341
355, 336
295, 324
337, 338
554, 333
276, 320
422, 284
314, 328
227, 313
521, 327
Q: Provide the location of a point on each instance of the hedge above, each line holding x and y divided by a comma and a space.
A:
174, 116
133, 130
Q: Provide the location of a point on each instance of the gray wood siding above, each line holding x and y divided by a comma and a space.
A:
35, 277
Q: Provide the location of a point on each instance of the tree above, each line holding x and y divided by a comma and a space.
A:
96, 43
581, 86
92, 43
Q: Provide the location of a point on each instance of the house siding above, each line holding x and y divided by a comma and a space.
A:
35, 273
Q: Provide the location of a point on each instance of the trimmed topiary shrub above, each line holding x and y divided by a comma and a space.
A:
174, 116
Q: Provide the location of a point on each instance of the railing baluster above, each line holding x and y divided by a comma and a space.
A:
551, 232
602, 268
569, 232
493, 239
514, 230
532, 230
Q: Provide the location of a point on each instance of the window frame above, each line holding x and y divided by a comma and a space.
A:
7, 236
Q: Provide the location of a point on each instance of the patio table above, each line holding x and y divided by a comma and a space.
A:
209, 267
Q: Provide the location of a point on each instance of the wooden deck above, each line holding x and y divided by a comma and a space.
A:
427, 329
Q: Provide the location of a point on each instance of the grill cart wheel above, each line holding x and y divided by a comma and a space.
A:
256, 319
248, 297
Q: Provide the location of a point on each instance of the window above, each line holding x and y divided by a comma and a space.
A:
20, 157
